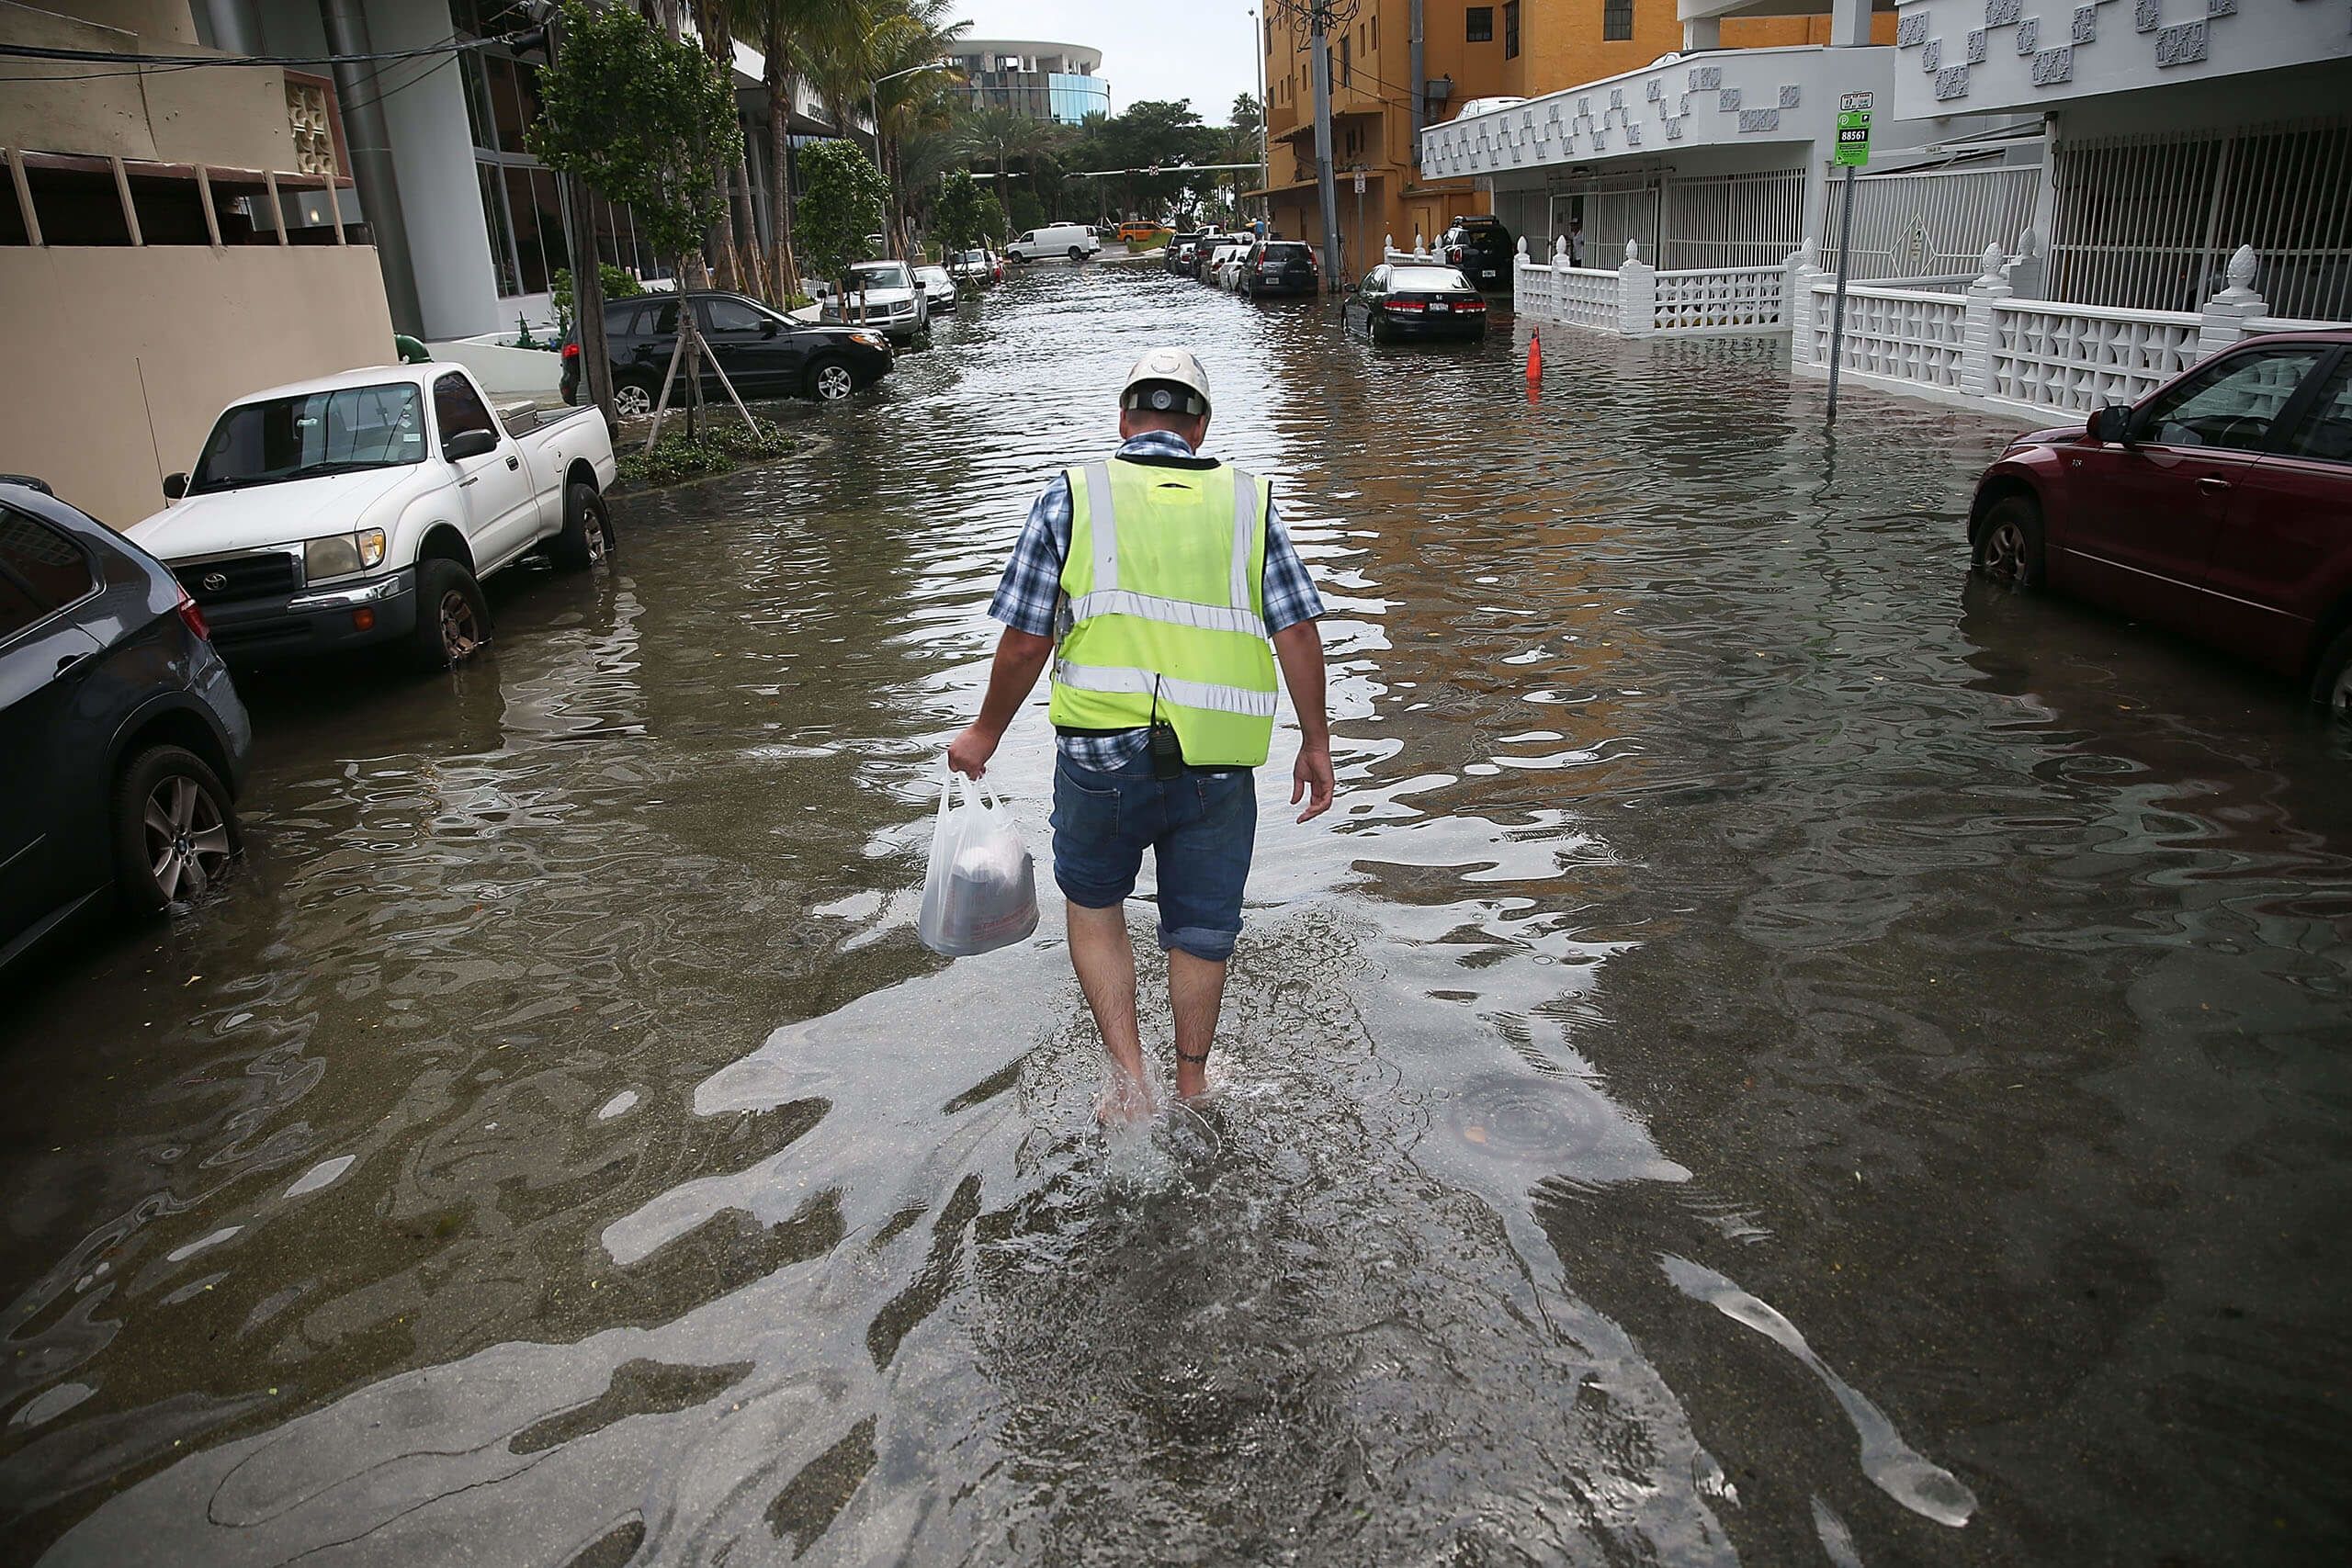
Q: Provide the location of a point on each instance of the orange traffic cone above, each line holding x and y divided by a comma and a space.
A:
1535, 363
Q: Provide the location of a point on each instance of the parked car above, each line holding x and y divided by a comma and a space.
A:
881, 295
1075, 241
1398, 300
2219, 505
979, 266
1180, 250
1281, 266
1136, 229
122, 742
366, 508
764, 354
1487, 105
1482, 248
938, 287
1223, 266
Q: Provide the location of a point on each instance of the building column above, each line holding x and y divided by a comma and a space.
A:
1849, 22
432, 146
1701, 33
358, 94
231, 25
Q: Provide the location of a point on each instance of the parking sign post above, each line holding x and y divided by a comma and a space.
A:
1853, 151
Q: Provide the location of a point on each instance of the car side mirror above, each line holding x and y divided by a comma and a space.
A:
767, 327
469, 443
2112, 423
174, 486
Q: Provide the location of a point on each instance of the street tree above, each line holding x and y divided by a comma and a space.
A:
1003, 136
648, 121
841, 200
962, 215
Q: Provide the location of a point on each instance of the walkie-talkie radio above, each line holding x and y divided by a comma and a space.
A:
1167, 750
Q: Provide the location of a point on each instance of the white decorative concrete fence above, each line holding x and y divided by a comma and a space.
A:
1984, 347
1635, 299
1976, 344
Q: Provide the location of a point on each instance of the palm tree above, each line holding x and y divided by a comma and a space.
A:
1004, 135
793, 35
906, 86
714, 21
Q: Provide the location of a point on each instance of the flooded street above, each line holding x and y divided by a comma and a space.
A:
1781, 1053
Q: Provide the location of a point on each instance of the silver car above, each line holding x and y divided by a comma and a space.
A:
938, 287
879, 295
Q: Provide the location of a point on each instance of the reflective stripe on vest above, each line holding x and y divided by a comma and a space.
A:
1176, 618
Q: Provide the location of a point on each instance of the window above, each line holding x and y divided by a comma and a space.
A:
1347, 61
661, 320
1616, 19
2234, 405
1510, 30
731, 316
1376, 32
457, 407
288, 438
2326, 431
1478, 23
40, 570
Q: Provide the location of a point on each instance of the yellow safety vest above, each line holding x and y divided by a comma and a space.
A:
1166, 578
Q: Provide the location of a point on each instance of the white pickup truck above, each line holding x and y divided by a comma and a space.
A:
368, 507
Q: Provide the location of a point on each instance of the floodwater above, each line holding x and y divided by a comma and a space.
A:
1781, 1053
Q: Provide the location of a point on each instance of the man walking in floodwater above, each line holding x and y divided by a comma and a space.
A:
1163, 575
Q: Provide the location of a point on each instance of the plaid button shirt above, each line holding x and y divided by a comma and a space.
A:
1030, 598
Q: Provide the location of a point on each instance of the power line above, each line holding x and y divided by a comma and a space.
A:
113, 56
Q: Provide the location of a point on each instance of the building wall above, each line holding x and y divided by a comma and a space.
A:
1561, 43
233, 117
144, 346
433, 154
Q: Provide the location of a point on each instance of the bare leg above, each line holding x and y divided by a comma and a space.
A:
1195, 989
1099, 951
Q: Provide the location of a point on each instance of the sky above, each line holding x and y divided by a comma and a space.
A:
1151, 48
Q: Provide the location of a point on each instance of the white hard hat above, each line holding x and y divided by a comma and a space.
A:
1162, 379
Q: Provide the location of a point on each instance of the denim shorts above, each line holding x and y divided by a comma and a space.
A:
1201, 828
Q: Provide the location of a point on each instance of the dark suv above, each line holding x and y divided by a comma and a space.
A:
1481, 247
1173, 261
764, 354
1281, 266
122, 742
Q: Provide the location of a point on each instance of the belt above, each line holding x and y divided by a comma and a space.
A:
1077, 731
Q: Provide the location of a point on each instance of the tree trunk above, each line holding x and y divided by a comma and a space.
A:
1003, 193
787, 270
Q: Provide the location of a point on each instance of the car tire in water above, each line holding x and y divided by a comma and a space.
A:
831, 380
2332, 678
587, 537
174, 831
1076, 254
632, 400
2009, 545
452, 619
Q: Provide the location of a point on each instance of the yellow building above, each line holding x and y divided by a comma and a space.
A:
1517, 48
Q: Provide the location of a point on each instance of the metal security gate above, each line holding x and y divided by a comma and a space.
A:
2149, 222
1933, 224
1726, 220
1720, 220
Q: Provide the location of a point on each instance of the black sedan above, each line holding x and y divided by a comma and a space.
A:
1405, 301
765, 354
122, 742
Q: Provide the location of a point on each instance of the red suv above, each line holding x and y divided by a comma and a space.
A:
2219, 505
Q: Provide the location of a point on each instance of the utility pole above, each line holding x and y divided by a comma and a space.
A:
1319, 23
1257, 46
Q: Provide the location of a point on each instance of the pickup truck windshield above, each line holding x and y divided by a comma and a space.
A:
312, 432
880, 275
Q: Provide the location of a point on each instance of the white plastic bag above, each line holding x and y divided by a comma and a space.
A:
981, 891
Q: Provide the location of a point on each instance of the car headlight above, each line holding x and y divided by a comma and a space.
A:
871, 340
340, 555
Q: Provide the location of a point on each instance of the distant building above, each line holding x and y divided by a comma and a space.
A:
1468, 54
1044, 81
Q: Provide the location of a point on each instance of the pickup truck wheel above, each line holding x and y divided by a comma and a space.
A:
587, 537
632, 400
174, 832
2009, 545
2332, 680
830, 381
452, 620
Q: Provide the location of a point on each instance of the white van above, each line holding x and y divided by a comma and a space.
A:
1075, 241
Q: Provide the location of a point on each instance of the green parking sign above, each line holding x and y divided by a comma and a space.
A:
1854, 129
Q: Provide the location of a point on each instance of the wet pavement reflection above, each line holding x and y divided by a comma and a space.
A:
1781, 1053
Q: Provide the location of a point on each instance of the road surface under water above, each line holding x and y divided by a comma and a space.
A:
1781, 1053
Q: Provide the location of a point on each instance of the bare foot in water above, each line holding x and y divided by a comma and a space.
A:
1123, 1102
